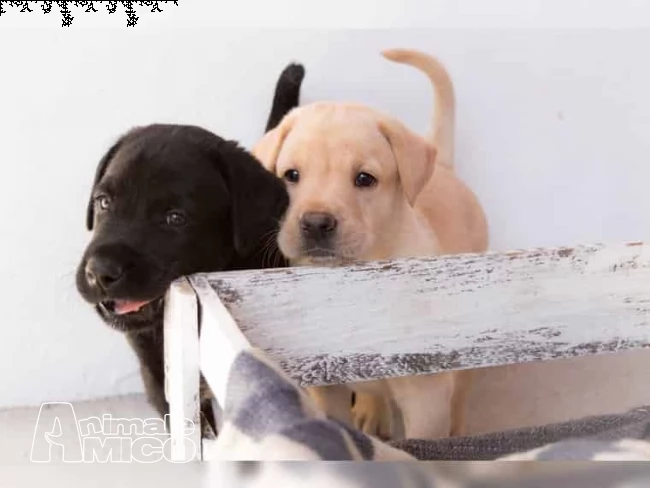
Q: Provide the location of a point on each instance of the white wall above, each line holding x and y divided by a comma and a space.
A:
552, 134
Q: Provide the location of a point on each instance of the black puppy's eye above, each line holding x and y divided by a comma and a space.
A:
103, 202
175, 219
292, 175
365, 180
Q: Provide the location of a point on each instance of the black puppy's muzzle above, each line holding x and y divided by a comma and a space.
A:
108, 270
104, 273
125, 286
116, 271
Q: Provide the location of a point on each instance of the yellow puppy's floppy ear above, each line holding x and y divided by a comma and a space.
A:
268, 148
414, 155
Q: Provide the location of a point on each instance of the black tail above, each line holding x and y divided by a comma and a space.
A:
287, 94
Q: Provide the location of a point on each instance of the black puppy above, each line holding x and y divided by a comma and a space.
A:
169, 201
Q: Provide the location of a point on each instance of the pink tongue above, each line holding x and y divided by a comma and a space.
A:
126, 306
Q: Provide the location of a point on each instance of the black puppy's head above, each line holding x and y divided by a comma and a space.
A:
169, 201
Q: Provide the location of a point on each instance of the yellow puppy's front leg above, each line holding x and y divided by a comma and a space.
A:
464, 380
372, 414
334, 400
426, 404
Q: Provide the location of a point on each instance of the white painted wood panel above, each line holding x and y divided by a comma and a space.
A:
220, 342
182, 370
382, 319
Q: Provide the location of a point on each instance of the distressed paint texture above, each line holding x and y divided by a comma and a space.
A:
414, 316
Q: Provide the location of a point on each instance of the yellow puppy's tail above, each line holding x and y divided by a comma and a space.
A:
445, 112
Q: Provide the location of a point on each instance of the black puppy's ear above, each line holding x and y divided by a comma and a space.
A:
287, 94
99, 173
259, 199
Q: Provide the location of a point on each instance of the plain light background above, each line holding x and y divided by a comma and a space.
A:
552, 133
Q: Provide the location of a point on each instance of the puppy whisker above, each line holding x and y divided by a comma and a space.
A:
269, 249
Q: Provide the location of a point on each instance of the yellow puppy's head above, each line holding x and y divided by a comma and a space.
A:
350, 172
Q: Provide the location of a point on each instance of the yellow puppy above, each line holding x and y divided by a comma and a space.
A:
363, 187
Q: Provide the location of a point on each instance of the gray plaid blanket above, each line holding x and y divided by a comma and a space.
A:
267, 417
634, 424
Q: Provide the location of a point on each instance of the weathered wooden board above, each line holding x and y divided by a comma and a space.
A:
377, 320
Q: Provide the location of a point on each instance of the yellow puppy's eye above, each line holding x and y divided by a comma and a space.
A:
292, 175
365, 180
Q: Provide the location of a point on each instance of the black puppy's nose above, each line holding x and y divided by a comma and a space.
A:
317, 225
103, 272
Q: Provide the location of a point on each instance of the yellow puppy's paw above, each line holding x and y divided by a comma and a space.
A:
371, 416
